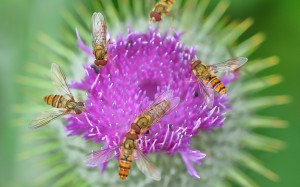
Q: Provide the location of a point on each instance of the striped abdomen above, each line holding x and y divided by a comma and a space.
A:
169, 3
158, 110
201, 71
125, 164
57, 101
216, 84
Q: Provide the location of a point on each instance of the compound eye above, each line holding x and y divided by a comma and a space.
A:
157, 17
80, 103
77, 111
195, 63
100, 62
152, 14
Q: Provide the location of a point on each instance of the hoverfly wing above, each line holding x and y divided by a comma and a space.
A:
146, 166
174, 102
45, 117
98, 29
160, 98
228, 65
101, 156
207, 93
109, 39
168, 96
59, 80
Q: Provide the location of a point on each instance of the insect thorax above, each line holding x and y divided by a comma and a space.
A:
201, 71
100, 52
71, 104
128, 145
143, 121
160, 8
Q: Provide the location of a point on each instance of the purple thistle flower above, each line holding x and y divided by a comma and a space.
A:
142, 66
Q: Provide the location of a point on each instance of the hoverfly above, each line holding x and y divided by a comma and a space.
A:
160, 9
99, 41
207, 79
62, 105
129, 147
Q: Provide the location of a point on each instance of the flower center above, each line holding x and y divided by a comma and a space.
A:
149, 86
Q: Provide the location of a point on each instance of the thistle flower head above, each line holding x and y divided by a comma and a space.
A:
143, 65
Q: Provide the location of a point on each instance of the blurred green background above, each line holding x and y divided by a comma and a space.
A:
279, 20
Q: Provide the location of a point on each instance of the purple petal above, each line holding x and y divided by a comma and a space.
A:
192, 156
83, 46
103, 168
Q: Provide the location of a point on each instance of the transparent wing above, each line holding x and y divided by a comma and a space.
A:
59, 80
98, 29
146, 166
101, 156
229, 65
174, 102
207, 93
45, 117
168, 95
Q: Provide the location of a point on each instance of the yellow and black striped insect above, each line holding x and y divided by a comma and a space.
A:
61, 105
207, 79
162, 8
162, 105
99, 40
